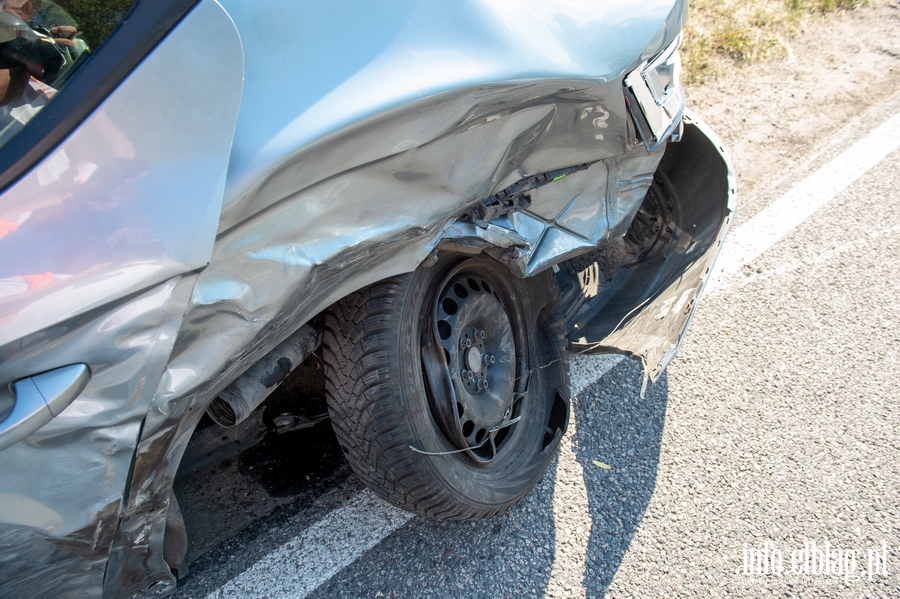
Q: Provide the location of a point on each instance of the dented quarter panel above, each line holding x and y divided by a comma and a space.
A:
318, 71
350, 161
341, 178
584, 209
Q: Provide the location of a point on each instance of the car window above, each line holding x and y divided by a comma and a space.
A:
42, 44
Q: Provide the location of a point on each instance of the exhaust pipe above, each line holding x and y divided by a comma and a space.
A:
244, 395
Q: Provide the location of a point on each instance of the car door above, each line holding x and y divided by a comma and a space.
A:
112, 169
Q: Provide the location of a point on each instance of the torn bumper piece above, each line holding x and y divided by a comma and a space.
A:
647, 315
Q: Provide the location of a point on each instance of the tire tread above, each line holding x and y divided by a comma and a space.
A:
361, 341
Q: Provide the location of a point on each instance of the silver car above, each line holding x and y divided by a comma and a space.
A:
447, 198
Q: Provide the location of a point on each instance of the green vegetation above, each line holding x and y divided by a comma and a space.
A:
727, 32
96, 19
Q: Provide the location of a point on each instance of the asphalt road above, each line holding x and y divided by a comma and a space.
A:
770, 444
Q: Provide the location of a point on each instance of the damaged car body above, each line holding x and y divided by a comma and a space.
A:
445, 199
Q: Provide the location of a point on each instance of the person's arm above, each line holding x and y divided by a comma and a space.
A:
12, 84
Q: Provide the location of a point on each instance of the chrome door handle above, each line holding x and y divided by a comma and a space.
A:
38, 399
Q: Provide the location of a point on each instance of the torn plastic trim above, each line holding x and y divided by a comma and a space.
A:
497, 239
647, 310
587, 205
515, 197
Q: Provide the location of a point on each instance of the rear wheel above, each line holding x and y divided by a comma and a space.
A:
448, 387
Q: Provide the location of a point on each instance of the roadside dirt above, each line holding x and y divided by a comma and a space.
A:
772, 115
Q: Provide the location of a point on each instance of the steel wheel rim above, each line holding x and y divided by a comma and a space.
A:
476, 346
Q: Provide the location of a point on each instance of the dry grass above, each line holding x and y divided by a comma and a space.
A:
727, 32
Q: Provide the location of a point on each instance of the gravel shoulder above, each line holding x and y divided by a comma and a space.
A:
782, 418
774, 116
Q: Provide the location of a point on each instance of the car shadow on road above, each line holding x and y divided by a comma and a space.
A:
507, 556
615, 427
521, 553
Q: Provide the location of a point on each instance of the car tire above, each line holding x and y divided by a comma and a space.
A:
406, 361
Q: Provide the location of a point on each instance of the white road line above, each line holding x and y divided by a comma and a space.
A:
765, 229
585, 370
743, 245
304, 563
321, 551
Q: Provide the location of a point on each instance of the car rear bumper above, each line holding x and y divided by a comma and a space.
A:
649, 314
